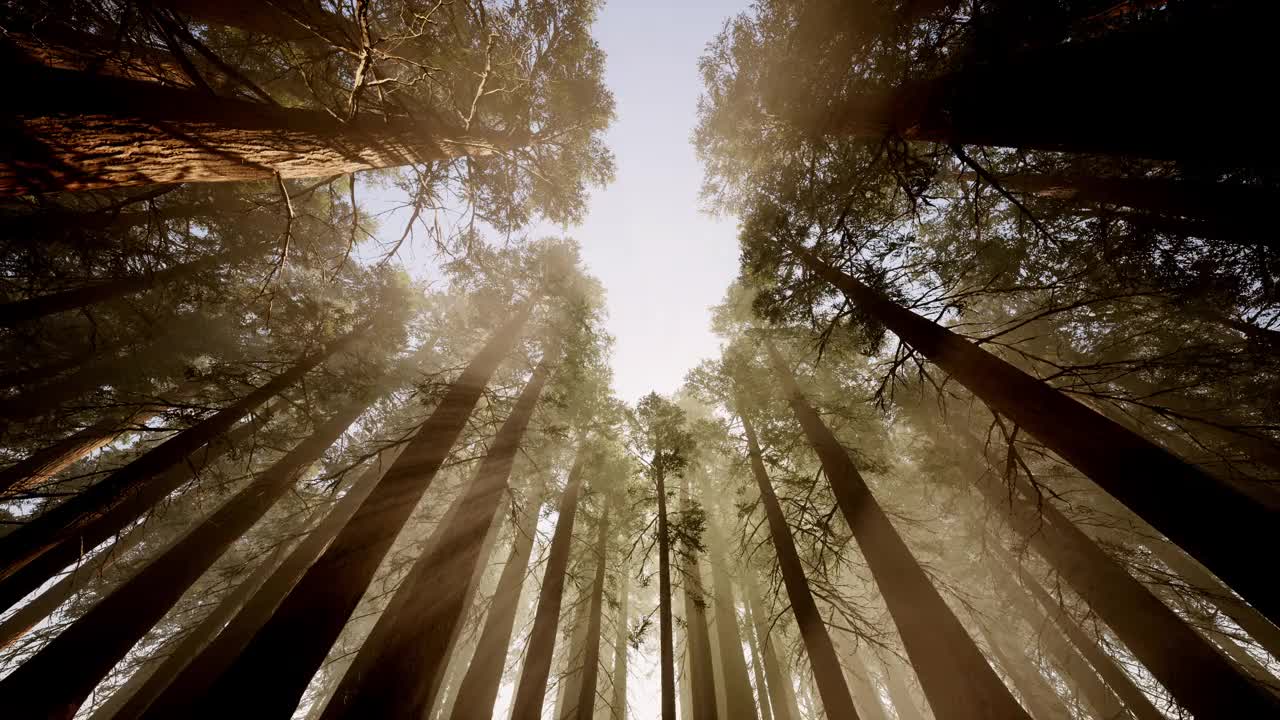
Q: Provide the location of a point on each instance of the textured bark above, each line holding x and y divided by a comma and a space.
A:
103, 527
1040, 699
532, 688
170, 700
142, 688
955, 676
737, 684
586, 703
272, 673
23, 311
43, 465
832, 688
618, 704
478, 689
147, 473
76, 131
416, 653
697, 639
1202, 515
82, 655
1194, 672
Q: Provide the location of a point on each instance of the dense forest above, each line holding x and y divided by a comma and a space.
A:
993, 431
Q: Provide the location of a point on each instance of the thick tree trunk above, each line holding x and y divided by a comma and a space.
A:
1202, 515
757, 670
272, 673
781, 695
697, 637
666, 631
102, 527
532, 688
586, 702
30, 309
956, 677
835, 694
43, 465
170, 699
142, 688
1194, 672
416, 652
77, 131
147, 473
737, 683
618, 705
119, 621
479, 686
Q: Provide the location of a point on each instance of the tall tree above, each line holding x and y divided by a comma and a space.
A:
618, 702
586, 701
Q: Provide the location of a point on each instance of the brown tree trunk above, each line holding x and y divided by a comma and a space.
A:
956, 677
586, 702
666, 641
781, 694
479, 686
618, 705
835, 694
416, 653
119, 621
43, 465
24, 311
274, 669
1202, 515
697, 639
78, 131
569, 684
531, 691
1183, 661
737, 683
147, 473
104, 526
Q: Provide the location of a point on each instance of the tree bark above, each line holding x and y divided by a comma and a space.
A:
147, 473
586, 703
1184, 662
618, 706
274, 669
739, 703
119, 621
416, 653
532, 688
78, 131
832, 688
97, 531
1173, 496
170, 700
956, 677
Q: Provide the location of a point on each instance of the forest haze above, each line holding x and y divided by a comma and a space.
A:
308, 392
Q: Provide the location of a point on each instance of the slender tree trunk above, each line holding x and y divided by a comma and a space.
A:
781, 695
143, 686
591, 656
697, 638
1041, 700
570, 682
119, 621
817, 640
43, 465
532, 688
666, 631
479, 686
737, 684
955, 675
146, 474
1202, 515
18, 312
622, 633
1184, 662
170, 700
757, 669
903, 704
415, 654
77, 131
274, 669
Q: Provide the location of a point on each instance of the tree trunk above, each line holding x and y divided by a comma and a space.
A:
781, 695
68, 552
119, 621
274, 669
622, 633
479, 686
586, 703
1041, 700
18, 312
953, 672
416, 652
142, 688
78, 131
1184, 662
43, 465
697, 638
170, 700
757, 670
817, 640
570, 681
532, 688
1173, 496
737, 683
147, 474
666, 631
